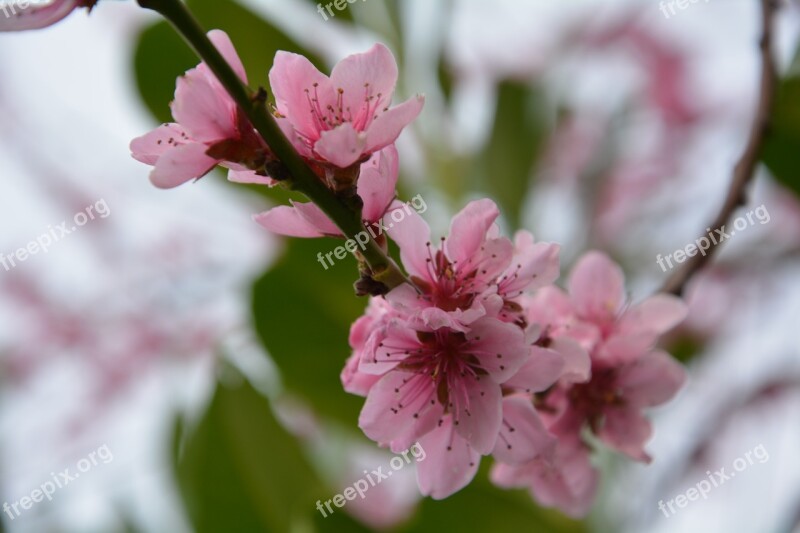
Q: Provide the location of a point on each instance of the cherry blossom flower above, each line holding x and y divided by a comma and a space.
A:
33, 17
475, 272
345, 118
376, 187
441, 387
210, 130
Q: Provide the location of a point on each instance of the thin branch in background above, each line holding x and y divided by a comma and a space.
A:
745, 168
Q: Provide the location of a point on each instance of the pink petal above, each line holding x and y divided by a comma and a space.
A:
34, 16
652, 380
286, 220
291, 134
249, 176
372, 74
388, 414
413, 237
180, 165
290, 77
385, 129
150, 146
315, 216
522, 436
626, 430
341, 146
597, 287
577, 363
541, 370
450, 462
478, 419
355, 381
468, 229
499, 346
620, 349
377, 183
569, 484
657, 314
223, 43
534, 265
386, 347
550, 306
482, 268
205, 111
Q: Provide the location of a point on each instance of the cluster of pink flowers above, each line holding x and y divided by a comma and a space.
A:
484, 356
338, 124
479, 353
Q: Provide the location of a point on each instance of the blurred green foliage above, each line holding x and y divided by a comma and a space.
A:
239, 470
302, 314
781, 151
505, 167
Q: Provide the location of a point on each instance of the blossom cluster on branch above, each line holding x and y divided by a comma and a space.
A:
475, 352
479, 353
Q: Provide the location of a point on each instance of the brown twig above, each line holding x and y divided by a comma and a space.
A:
745, 168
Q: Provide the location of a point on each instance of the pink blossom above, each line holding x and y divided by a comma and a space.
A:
342, 119
566, 480
376, 187
474, 272
37, 16
626, 375
209, 130
441, 387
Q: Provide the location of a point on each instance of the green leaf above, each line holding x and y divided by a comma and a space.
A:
781, 151
514, 145
239, 470
303, 314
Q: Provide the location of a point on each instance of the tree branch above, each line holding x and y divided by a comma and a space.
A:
745, 168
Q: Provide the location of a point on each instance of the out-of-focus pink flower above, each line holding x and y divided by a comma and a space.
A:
376, 187
210, 130
627, 375
344, 118
567, 481
37, 16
